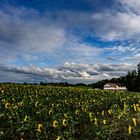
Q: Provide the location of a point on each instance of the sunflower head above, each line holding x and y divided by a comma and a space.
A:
96, 121
135, 107
64, 122
55, 123
50, 111
110, 111
36, 104
77, 112
134, 121
65, 115
20, 104
26, 118
7, 105
104, 121
103, 113
39, 127
129, 130
58, 138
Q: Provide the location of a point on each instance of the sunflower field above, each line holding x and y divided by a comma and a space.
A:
67, 113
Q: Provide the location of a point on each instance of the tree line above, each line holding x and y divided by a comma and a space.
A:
131, 81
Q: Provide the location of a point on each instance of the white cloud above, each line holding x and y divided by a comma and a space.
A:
30, 36
119, 24
22, 31
131, 5
43, 38
82, 53
116, 26
135, 58
70, 72
120, 48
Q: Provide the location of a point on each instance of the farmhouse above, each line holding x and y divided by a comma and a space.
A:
113, 86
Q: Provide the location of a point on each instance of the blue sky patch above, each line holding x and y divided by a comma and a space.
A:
67, 40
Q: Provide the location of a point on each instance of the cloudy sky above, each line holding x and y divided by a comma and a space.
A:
68, 40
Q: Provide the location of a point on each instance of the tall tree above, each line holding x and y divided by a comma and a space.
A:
138, 66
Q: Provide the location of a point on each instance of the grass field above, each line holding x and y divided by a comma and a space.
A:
67, 113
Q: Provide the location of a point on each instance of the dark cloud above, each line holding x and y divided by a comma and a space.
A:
111, 59
70, 72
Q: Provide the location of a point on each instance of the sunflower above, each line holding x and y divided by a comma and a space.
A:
134, 121
120, 115
25, 119
139, 109
96, 121
110, 111
7, 105
91, 119
20, 104
2, 91
39, 128
55, 124
103, 113
65, 115
77, 112
129, 130
36, 103
135, 107
90, 114
15, 107
64, 122
104, 121
50, 111
3, 101
58, 138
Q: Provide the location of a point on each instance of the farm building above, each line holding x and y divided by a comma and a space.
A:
113, 86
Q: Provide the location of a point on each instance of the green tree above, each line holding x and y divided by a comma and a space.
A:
138, 66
